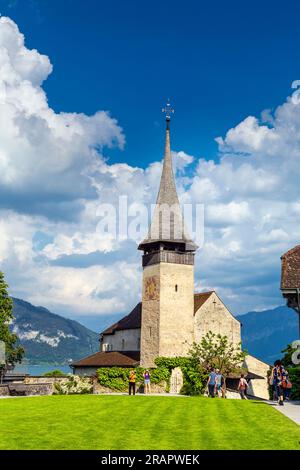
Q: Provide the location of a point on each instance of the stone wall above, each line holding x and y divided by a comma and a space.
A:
214, 316
168, 313
155, 388
257, 387
125, 340
4, 390
32, 380
16, 389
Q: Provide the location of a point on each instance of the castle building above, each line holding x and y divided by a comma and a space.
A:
171, 316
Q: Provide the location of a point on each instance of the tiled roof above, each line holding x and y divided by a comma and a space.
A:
110, 359
290, 269
131, 321
200, 299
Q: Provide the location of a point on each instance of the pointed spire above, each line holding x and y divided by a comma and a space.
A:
167, 223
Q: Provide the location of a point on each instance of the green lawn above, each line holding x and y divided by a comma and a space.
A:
122, 422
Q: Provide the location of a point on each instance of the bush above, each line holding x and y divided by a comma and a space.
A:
54, 373
194, 381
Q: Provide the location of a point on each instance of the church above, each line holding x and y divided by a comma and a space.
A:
171, 316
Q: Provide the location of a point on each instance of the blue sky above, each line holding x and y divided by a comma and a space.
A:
217, 61
82, 85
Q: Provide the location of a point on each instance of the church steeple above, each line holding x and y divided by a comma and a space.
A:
167, 229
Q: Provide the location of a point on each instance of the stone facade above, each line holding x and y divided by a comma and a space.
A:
214, 316
4, 390
124, 340
257, 387
167, 311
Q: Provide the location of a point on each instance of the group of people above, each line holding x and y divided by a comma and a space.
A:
132, 382
216, 385
280, 383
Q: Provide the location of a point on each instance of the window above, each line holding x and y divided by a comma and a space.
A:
176, 287
123, 344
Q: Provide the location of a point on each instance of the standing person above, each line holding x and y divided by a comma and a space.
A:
211, 383
223, 386
132, 379
147, 386
242, 388
288, 388
219, 378
278, 377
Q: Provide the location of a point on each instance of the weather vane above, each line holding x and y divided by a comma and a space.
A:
168, 110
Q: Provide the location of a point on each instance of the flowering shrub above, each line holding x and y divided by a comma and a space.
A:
75, 385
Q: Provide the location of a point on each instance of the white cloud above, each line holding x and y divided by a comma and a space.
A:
53, 176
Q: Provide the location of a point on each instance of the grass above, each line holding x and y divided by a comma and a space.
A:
122, 422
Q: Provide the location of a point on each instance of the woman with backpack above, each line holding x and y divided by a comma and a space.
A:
288, 389
242, 388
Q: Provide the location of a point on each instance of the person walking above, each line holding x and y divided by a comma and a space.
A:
278, 378
211, 383
132, 380
242, 387
288, 388
147, 386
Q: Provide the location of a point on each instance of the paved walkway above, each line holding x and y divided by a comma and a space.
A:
290, 409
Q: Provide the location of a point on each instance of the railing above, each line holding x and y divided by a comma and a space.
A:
168, 257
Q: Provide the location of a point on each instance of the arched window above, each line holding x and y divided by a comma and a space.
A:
176, 287
123, 344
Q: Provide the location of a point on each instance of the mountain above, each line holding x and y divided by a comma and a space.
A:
265, 334
50, 338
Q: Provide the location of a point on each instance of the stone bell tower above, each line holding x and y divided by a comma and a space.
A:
168, 273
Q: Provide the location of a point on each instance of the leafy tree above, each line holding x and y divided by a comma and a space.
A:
216, 351
293, 369
13, 351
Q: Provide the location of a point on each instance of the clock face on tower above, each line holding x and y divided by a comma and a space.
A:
151, 288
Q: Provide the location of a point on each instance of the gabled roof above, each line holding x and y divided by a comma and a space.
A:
200, 299
131, 321
290, 269
291, 251
110, 359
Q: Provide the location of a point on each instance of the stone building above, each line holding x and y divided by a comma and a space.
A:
290, 279
171, 316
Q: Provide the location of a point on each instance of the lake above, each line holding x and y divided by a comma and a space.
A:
41, 369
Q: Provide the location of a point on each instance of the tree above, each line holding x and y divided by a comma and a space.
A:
13, 351
216, 351
290, 361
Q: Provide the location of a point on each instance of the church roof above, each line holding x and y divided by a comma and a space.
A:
290, 269
110, 359
200, 299
131, 321
134, 319
167, 221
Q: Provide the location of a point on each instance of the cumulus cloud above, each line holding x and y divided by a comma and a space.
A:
53, 176
46, 158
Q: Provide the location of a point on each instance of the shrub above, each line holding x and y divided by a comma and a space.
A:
194, 381
54, 373
74, 386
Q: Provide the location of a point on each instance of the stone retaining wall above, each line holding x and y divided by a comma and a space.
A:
4, 390
155, 388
